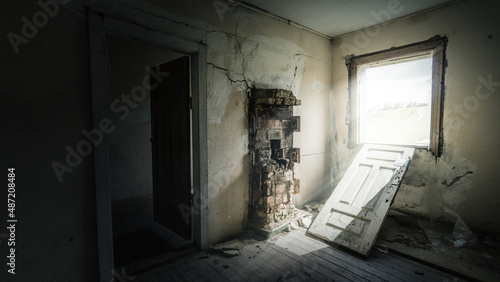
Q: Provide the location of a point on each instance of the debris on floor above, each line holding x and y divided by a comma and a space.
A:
231, 253
460, 235
293, 226
304, 221
311, 206
407, 240
314, 206
204, 256
381, 248
287, 257
478, 257
229, 248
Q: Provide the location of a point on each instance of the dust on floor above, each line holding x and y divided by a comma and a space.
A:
481, 260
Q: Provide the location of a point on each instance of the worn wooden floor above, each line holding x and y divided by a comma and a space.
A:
293, 256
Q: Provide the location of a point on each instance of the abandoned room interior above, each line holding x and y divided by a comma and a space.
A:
234, 140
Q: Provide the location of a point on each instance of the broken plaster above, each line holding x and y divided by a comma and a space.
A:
246, 63
258, 61
422, 180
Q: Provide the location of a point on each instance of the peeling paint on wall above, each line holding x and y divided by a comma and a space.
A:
464, 175
424, 175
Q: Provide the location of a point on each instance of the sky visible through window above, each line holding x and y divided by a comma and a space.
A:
395, 103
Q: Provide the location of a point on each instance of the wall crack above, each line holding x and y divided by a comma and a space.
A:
456, 179
308, 56
227, 73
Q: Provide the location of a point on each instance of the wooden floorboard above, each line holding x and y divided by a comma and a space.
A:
286, 266
437, 270
208, 272
381, 271
269, 271
174, 273
289, 267
245, 269
227, 273
339, 273
193, 273
294, 256
229, 268
418, 271
322, 256
395, 265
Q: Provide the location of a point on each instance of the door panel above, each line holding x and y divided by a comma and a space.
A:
354, 213
171, 147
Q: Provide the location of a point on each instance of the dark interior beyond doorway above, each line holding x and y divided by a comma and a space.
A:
137, 238
135, 234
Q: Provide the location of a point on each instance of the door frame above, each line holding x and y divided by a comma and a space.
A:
150, 29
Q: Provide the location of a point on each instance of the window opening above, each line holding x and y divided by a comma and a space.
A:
395, 102
395, 96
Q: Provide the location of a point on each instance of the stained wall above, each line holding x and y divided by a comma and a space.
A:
246, 49
45, 86
465, 178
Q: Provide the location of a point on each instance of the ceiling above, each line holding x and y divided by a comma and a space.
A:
337, 17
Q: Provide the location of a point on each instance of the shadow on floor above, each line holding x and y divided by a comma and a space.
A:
136, 237
145, 243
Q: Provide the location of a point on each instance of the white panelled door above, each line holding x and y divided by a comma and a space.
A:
355, 211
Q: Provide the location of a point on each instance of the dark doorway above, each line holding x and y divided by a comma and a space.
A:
150, 154
137, 238
171, 145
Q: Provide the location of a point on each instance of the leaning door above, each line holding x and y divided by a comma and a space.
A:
171, 145
355, 211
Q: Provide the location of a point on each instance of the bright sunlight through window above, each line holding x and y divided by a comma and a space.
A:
395, 102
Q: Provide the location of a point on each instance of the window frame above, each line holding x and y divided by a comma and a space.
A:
436, 47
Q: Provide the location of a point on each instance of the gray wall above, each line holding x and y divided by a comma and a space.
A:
129, 146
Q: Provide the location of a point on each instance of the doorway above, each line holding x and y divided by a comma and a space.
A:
101, 26
149, 88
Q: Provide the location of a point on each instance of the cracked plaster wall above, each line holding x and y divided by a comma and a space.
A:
245, 59
246, 49
466, 176
46, 91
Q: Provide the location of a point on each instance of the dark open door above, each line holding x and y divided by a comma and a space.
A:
170, 126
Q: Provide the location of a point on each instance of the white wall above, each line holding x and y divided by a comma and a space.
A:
470, 138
